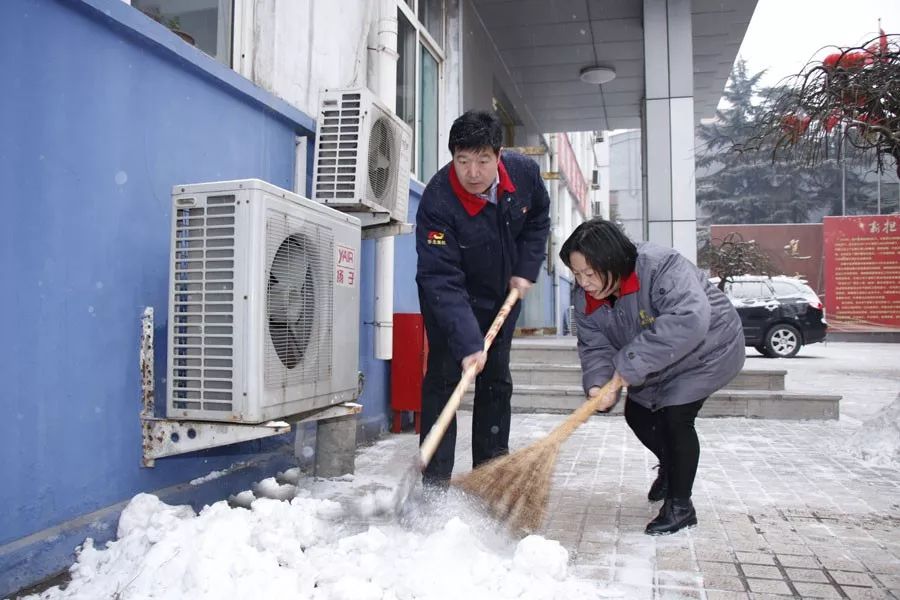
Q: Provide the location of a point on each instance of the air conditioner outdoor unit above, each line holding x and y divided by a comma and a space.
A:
263, 303
362, 158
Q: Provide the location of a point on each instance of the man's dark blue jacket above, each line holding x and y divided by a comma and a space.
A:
468, 248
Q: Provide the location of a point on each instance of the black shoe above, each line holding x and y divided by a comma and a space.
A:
660, 486
675, 514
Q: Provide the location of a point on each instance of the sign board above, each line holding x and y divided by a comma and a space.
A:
862, 272
794, 249
571, 172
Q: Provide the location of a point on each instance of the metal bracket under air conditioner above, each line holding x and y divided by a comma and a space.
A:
379, 225
169, 437
166, 437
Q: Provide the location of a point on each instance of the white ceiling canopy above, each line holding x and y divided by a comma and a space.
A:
546, 44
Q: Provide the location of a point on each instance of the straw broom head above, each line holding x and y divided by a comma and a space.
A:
516, 487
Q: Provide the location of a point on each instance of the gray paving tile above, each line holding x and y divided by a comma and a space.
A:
718, 568
858, 593
804, 562
851, 578
807, 575
890, 581
761, 571
838, 564
816, 590
719, 595
756, 558
723, 582
679, 594
768, 586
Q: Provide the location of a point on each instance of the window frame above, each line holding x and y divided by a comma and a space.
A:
228, 36
409, 9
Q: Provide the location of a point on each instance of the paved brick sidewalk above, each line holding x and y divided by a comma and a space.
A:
783, 512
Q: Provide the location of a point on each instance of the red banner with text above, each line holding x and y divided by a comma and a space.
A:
862, 270
571, 172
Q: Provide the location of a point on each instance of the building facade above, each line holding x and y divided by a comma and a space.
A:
110, 104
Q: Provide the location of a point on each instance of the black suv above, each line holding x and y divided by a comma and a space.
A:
779, 314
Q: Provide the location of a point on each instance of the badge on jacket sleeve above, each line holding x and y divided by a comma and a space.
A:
436, 238
646, 319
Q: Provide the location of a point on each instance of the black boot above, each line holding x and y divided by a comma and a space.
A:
660, 486
675, 514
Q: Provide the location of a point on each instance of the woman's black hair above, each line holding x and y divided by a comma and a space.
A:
476, 129
605, 247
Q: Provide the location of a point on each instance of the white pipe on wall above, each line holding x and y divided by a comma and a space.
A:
559, 304
382, 76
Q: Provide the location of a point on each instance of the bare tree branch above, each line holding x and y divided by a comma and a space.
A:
852, 95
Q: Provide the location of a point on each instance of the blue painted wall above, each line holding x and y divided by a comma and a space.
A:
406, 294
103, 111
98, 123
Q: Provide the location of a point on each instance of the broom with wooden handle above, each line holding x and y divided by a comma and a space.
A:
516, 487
436, 433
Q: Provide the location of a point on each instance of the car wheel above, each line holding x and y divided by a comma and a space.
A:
782, 341
761, 349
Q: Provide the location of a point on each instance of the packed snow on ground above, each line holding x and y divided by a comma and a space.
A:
877, 441
317, 549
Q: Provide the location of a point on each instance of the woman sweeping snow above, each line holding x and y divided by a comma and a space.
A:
650, 320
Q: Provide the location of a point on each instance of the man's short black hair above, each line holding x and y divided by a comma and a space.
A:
605, 247
476, 129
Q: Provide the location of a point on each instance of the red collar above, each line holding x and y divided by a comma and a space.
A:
472, 203
629, 286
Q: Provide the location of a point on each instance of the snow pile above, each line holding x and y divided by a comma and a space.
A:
301, 549
877, 441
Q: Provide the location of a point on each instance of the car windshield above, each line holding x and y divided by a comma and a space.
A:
748, 290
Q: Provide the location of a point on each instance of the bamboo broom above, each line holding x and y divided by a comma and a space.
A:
437, 431
516, 487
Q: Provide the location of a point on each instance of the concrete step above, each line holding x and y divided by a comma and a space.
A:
760, 404
557, 351
570, 374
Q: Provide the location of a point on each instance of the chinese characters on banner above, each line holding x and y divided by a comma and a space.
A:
345, 267
571, 172
862, 267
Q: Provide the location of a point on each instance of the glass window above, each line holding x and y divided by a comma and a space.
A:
431, 15
428, 117
406, 70
784, 288
418, 79
205, 24
749, 290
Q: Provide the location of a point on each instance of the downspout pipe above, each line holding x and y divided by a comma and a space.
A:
382, 80
556, 234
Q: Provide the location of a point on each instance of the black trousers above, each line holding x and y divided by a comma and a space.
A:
669, 434
493, 391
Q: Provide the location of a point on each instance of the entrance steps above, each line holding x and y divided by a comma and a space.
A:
547, 379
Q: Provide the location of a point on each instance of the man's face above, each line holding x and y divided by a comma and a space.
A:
476, 169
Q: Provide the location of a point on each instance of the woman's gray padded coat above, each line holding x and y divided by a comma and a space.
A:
676, 340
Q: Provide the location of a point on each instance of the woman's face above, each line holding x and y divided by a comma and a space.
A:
597, 285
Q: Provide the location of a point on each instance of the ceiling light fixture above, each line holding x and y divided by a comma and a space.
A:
597, 75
